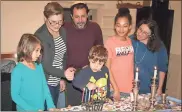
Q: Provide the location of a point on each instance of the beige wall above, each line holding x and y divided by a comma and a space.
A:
18, 17
176, 34
174, 70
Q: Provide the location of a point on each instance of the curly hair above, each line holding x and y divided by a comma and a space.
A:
98, 53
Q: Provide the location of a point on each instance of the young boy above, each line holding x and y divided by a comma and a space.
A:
96, 75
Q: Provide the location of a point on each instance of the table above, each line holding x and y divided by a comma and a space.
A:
124, 105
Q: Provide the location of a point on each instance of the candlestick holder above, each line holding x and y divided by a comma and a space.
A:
162, 103
135, 91
153, 93
163, 98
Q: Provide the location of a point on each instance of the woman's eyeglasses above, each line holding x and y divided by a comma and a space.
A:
53, 23
143, 32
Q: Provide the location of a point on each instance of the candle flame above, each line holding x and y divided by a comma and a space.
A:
137, 69
155, 67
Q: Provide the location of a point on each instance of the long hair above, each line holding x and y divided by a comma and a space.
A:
26, 46
154, 41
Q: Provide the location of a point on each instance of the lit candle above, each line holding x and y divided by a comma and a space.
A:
83, 94
136, 75
155, 72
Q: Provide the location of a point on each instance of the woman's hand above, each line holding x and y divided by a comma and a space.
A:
69, 73
159, 91
62, 85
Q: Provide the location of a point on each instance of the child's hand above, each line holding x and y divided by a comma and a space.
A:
116, 95
62, 85
91, 86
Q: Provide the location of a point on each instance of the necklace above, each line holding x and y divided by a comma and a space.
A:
141, 59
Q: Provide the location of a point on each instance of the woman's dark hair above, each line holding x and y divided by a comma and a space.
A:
123, 12
26, 46
79, 6
154, 41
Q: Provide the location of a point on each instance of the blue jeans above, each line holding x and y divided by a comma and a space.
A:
54, 90
61, 100
121, 94
57, 96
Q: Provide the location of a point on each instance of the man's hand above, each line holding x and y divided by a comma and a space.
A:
62, 85
116, 95
69, 73
91, 86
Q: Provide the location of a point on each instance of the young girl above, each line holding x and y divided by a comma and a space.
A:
120, 55
29, 88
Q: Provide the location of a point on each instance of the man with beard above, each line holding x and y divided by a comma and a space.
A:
81, 36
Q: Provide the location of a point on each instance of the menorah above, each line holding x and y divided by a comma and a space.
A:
92, 100
153, 93
135, 91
